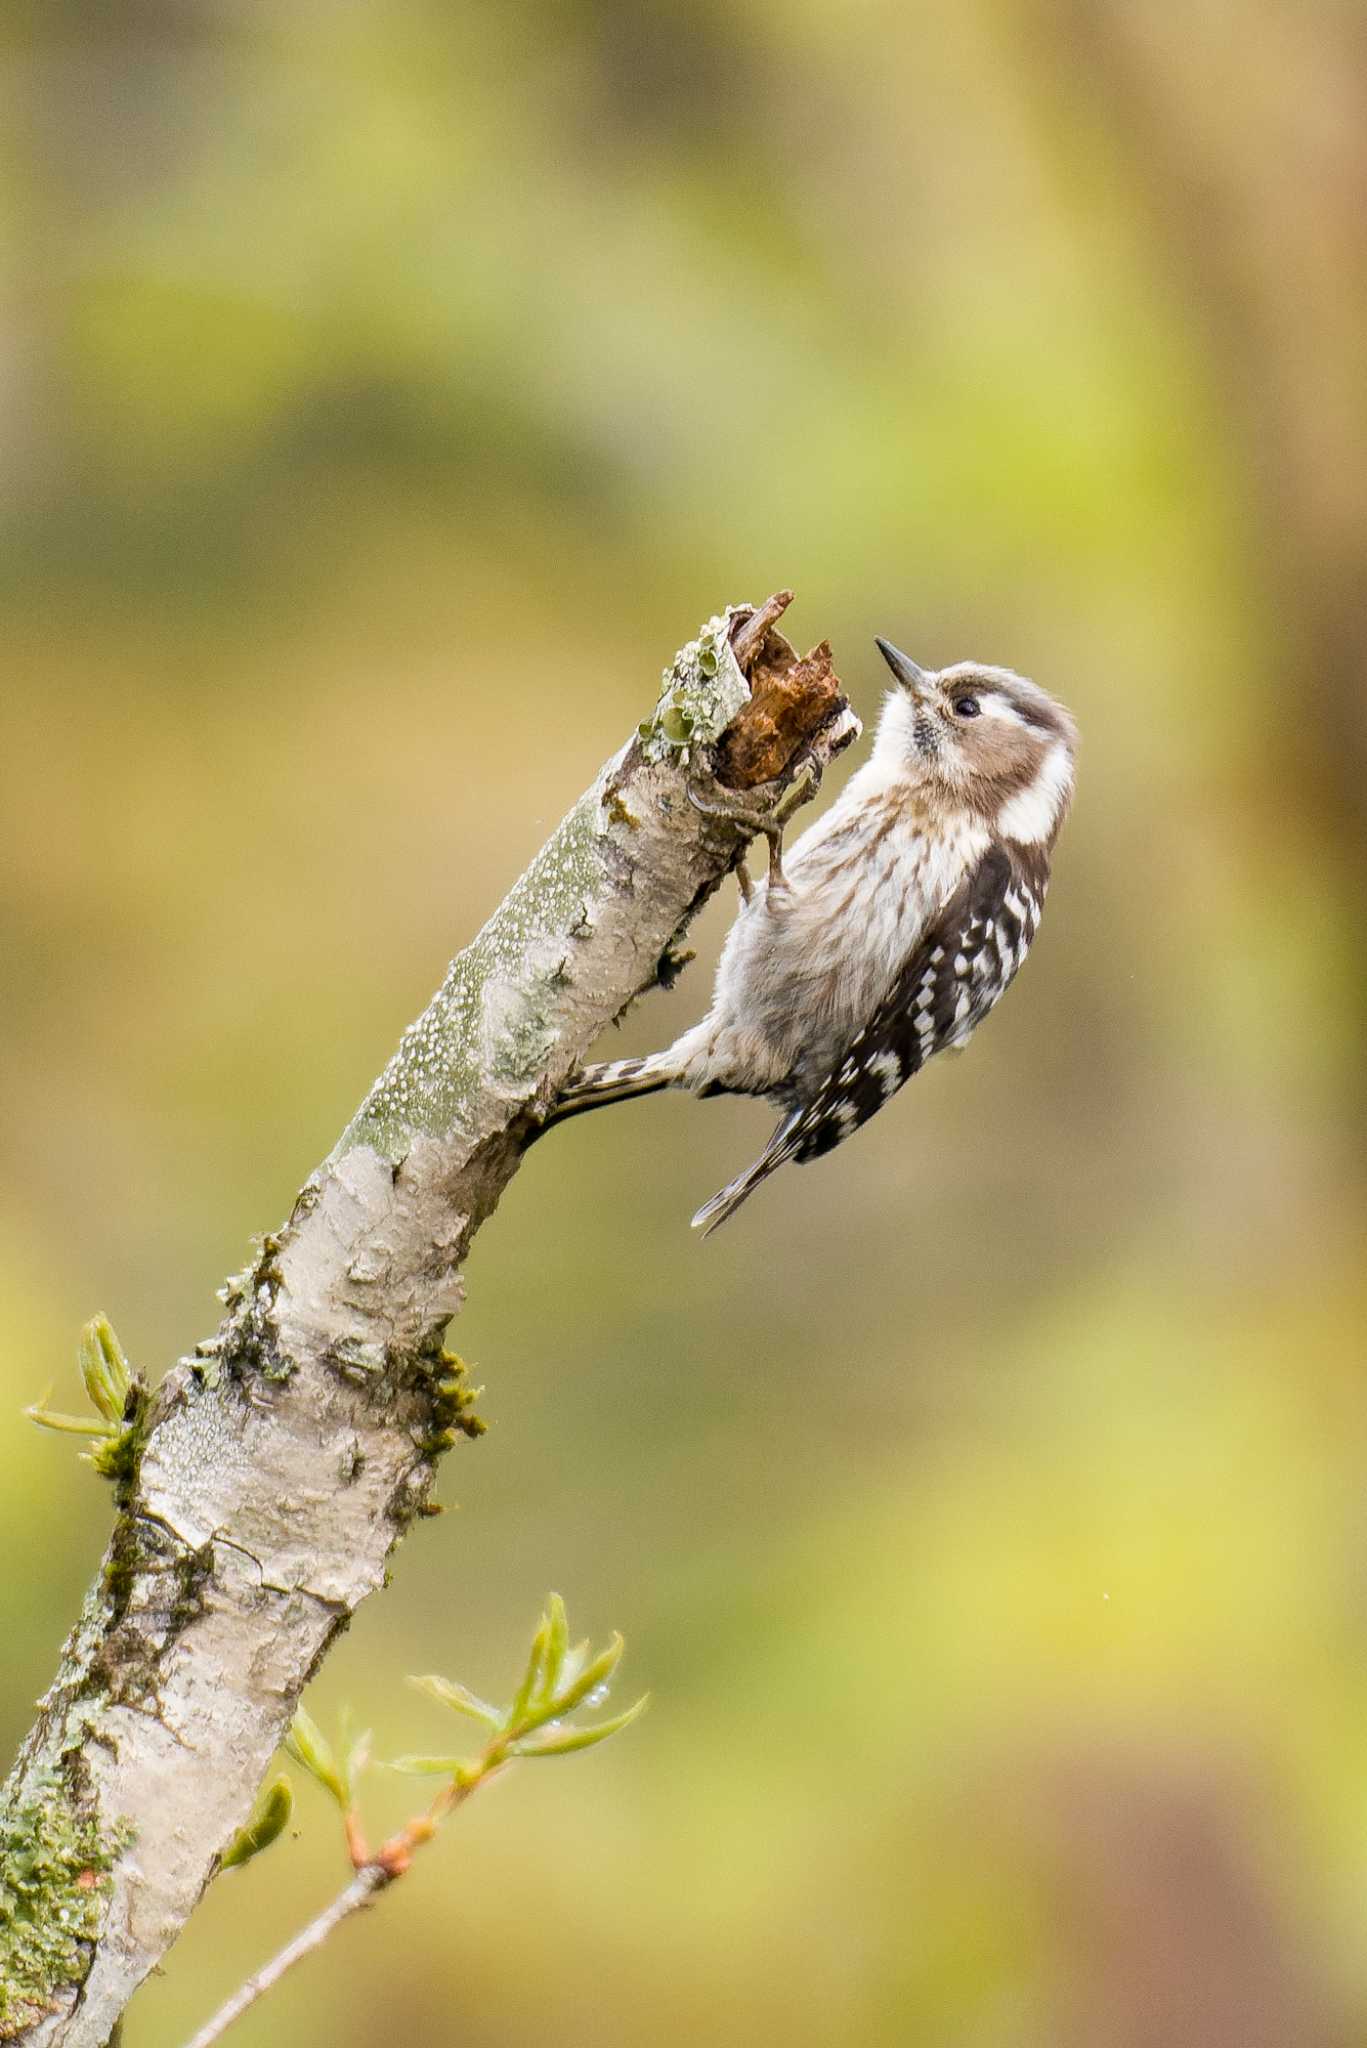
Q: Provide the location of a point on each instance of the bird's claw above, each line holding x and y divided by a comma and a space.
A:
804, 782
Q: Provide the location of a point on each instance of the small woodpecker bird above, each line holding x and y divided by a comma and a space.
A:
889, 930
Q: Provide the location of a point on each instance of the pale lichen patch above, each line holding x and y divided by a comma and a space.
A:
54, 1890
701, 692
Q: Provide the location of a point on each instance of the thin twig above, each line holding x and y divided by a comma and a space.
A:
373, 1873
358, 1894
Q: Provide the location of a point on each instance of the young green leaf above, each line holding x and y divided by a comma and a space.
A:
308, 1745
595, 1673
104, 1368
269, 1819
573, 1663
557, 1741
530, 1687
70, 1425
459, 1698
557, 1644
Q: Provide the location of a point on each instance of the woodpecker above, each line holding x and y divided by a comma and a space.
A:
890, 928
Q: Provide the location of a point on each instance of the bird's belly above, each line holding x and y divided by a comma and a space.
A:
806, 967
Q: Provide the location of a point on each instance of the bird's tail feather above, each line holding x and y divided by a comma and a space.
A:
780, 1147
611, 1081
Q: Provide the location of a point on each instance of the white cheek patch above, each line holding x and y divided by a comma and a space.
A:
894, 741
1030, 815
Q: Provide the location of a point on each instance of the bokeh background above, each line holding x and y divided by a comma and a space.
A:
385, 392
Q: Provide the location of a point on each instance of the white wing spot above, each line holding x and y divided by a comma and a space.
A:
888, 1069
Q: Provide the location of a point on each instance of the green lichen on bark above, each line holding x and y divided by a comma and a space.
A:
54, 1884
702, 690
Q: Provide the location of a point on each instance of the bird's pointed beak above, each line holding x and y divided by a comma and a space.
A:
906, 671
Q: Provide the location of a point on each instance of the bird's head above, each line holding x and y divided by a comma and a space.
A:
984, 740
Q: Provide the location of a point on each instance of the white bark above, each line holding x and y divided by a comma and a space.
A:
283, 1461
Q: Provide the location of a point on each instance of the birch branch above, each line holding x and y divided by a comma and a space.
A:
279, 1465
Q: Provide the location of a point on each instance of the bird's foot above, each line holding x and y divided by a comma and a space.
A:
767, 824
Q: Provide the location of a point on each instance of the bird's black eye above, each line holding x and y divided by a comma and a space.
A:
966, 707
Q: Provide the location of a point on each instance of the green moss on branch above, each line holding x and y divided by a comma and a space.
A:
54, 1886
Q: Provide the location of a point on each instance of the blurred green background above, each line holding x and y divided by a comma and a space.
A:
385, 392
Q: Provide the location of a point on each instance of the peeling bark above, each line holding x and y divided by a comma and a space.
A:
280, 1464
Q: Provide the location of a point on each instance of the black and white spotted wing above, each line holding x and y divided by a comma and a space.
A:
963, 964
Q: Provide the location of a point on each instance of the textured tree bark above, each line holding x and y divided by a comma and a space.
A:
279, 1465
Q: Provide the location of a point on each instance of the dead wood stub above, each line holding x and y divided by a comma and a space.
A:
792, 698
